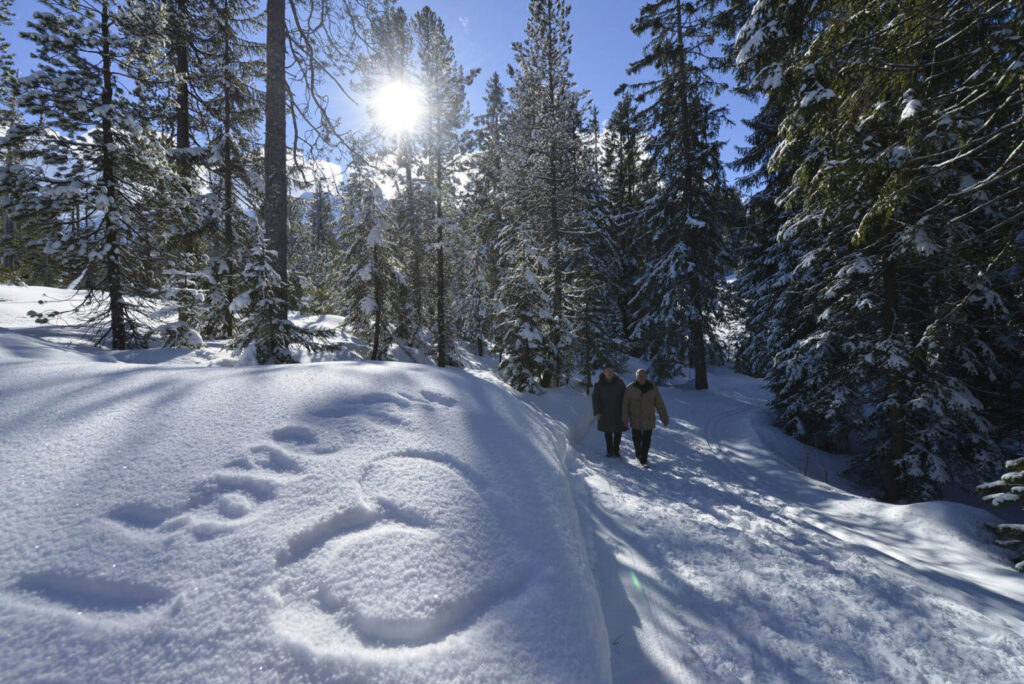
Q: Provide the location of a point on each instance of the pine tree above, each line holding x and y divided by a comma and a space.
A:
8, 116
596, 265
227, 111
1008, 489
389, 61
316, 252
444, 88
525, 314
543, 182
483, 215
261, 331
107, 183
323, 43
371, 275
678, 290
898, 189
629, 175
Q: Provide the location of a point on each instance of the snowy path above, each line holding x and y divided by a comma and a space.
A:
726, 563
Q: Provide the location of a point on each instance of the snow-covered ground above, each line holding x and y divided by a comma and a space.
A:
172, 517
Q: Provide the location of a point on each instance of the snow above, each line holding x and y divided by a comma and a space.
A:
924, 244
174, 516
912, 108
816, 95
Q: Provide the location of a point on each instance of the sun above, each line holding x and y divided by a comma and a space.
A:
397, 107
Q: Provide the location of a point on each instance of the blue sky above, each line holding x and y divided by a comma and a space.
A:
603, 46
483, 31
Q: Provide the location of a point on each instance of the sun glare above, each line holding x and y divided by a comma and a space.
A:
397, 107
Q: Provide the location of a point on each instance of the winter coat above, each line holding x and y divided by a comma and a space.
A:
639, 405
607, 398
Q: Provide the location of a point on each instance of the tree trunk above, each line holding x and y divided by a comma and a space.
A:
888, 470
275, 165
118, 327
376, 353
700, 366
182, 115
228, 205
442, 334
8, 255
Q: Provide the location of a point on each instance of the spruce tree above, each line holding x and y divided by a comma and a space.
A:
444, 91
483, 215
370, 271
390, 60
543, 182
596, 264
315, 251
8, 116
227, 112
899, 204
106, 180
678, 290
631, 181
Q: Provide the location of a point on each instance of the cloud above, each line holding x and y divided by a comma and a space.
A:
464, 20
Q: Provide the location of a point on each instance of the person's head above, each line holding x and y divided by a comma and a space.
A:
641, 376
609, 371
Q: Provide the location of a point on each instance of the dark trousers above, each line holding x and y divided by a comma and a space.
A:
642, 443
611, 443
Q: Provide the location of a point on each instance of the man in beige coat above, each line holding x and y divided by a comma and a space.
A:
638, 406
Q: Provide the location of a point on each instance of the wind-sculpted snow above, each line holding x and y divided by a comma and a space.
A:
324, 522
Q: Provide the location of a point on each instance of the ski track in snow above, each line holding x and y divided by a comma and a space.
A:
724, 563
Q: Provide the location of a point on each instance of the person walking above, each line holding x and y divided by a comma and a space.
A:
607, 398
638, 407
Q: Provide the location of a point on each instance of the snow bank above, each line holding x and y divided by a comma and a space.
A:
349, 521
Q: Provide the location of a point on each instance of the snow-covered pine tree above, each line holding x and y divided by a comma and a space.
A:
390, 61
474, 309
316, 251
443, 82
260, 330
526, 311
8, 111
543, 183
216, 120
8, 115
370, 272
92, 161
904, 202
678, 289
631, 182
595, 264
1008, 489
230, 111
483, 211
776, 275
324, 40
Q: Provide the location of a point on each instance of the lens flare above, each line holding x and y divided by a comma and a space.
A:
397, 106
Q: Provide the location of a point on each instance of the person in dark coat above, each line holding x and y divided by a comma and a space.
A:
608, 394
641, 401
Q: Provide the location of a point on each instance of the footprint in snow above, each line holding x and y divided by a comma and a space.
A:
401, 569
383, 408
99, 597
301, 437
217, 505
